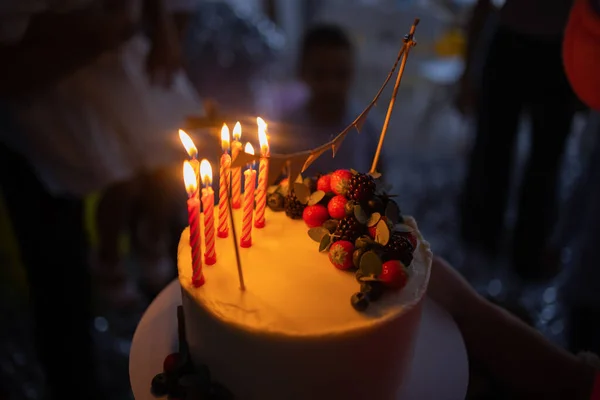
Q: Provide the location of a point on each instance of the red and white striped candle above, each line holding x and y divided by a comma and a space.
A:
224, 182
248, 209
193, 206
208, 204
192, 151
236, 173
263, 175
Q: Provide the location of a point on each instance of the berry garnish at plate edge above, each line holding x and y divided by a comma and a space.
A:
181, 379
360, 226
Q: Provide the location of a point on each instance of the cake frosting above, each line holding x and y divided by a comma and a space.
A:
292, 333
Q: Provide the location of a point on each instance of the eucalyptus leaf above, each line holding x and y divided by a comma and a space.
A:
353, 171
317, 233
272, 189
284, 190
370, 264
392, 212
382, 235
325, 243
403, 228
369, 278
374, 219
302, 192
360, 214
316, 197
299, 179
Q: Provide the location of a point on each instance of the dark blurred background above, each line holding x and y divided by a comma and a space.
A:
243, 55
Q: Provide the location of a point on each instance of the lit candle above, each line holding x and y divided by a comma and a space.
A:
263, 174
193, 206
224, 182
192, 151
208, 205
248, 209
236, 173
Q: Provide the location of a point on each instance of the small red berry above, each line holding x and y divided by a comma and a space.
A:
336, 207
340, 254
394, 274
171, 362
340, 181
412, 238
315, 215
324, 183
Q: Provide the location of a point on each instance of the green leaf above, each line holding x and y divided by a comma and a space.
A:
317, 233
360, 214
374, 219
272, 189
363, 242
299, 179
353, 171
369, 278
370, 264
392, 212
325, 243
302, 192
403, 228
383, 233
316, 197
284, 190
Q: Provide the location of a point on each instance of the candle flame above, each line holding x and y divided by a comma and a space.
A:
262, 135
225, 137
249, 149
189, 178
206, 172
237, 131
188, 143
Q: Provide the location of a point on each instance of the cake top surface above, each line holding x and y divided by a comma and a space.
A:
291, 288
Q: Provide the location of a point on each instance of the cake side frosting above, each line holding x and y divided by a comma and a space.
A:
291, 288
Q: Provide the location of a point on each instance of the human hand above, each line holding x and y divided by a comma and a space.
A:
450, 290
164, 59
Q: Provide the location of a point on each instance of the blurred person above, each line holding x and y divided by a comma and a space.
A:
522, 72
515, 356
580, 227
326, 67
49, 226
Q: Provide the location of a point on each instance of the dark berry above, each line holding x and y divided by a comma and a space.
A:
349, 207
373, 289
293, 207
398, 248
364, 242
348, 229
375, 205
359, 301
160, 385
331, 225
361, 187
357, 255
276, 202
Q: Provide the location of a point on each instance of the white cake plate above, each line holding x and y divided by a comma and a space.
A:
439, 370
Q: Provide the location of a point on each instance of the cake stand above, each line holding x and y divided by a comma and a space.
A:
439, 370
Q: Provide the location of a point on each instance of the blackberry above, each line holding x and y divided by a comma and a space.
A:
348, 229
398, 248
293, 207
361, 187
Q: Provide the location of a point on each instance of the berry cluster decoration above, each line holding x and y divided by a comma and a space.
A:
361, 227
181, 379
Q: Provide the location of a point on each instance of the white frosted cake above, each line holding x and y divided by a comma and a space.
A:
297, 331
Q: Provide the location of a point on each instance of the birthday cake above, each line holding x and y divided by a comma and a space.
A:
333, 319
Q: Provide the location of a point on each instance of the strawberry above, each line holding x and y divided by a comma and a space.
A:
324, 183
315, 215
340, 181
340, 254
336, 207
394, 274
